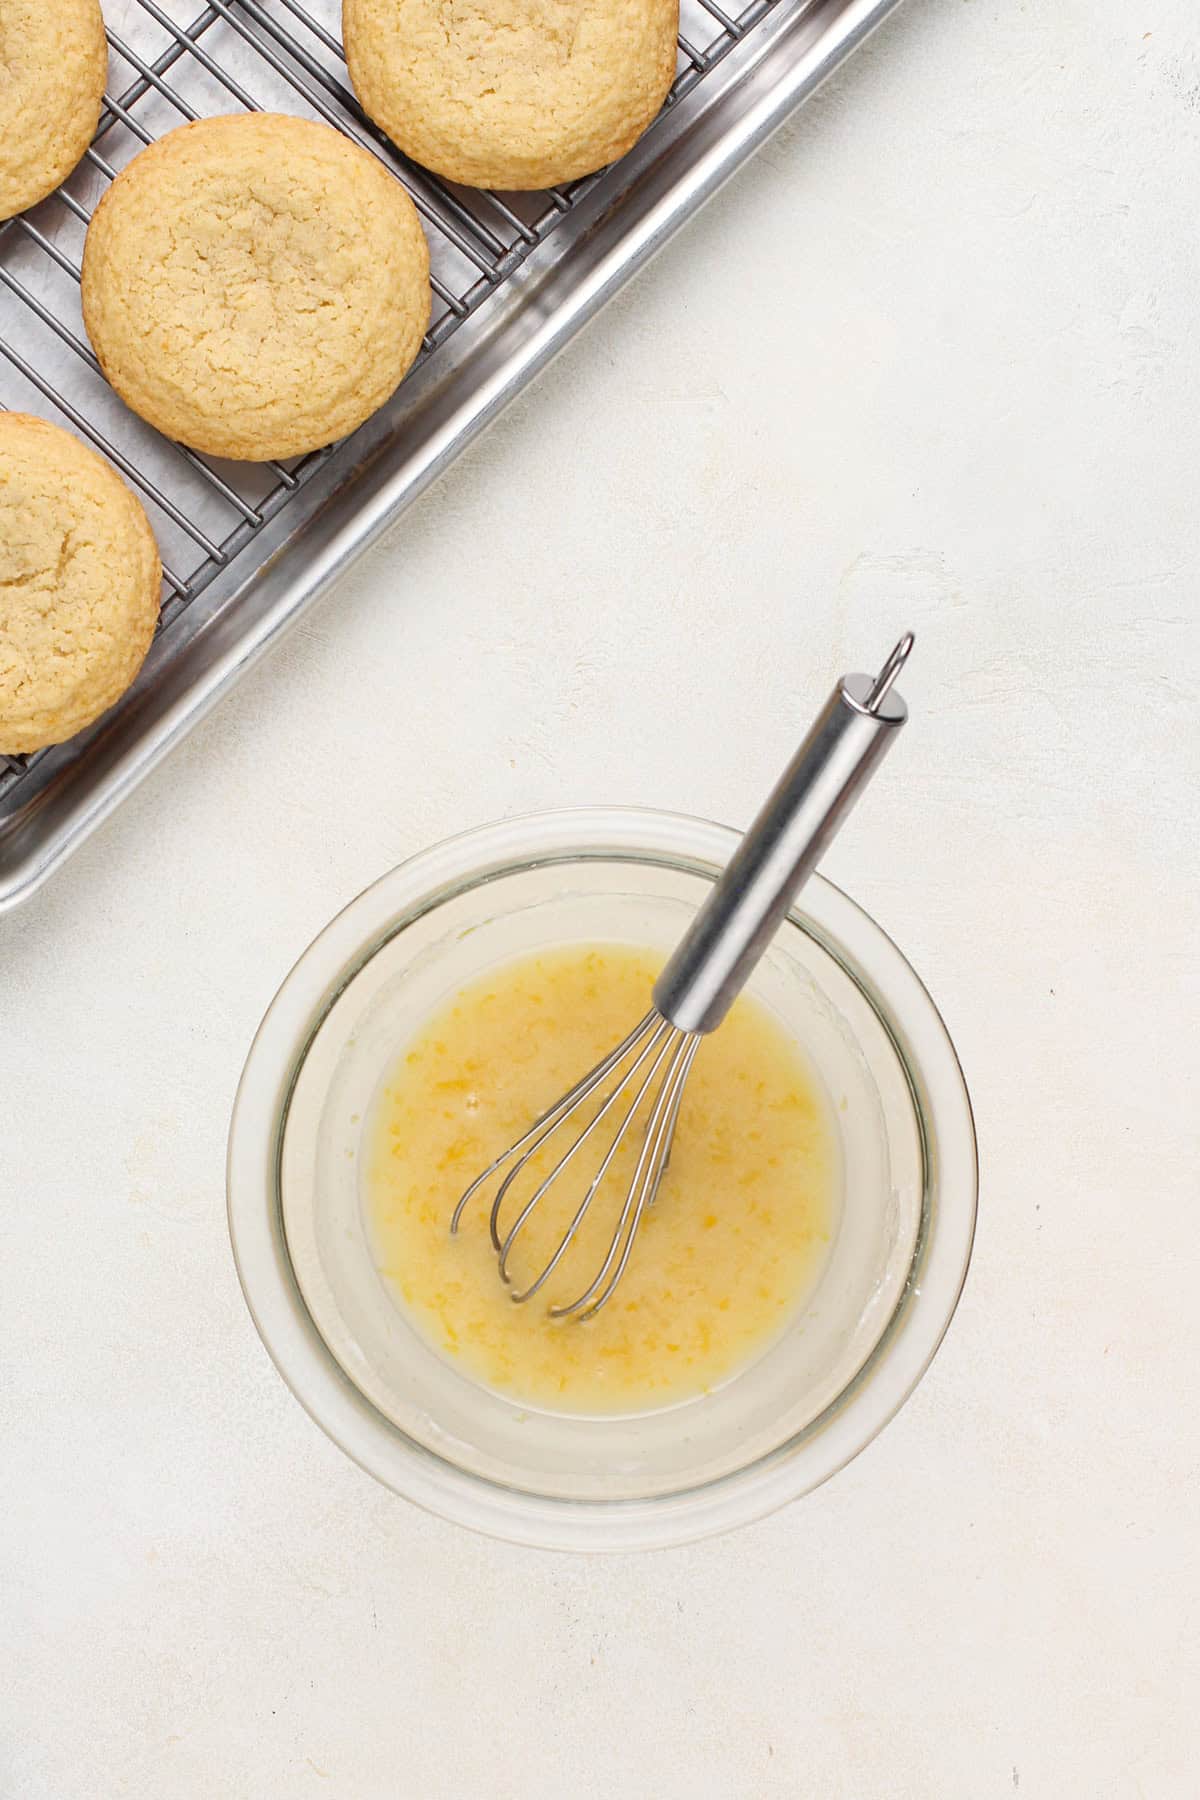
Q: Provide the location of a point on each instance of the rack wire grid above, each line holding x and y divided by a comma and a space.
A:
168, 65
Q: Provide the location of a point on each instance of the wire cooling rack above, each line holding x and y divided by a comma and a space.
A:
247, 546
274, 55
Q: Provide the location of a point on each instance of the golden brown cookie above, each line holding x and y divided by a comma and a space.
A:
79, 584
53, 66
511, 93
255, 286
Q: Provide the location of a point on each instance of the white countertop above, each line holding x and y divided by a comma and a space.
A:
933, 359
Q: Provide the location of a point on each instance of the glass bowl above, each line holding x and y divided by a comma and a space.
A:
776, 1428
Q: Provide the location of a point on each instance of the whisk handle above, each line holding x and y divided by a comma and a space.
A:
853, 733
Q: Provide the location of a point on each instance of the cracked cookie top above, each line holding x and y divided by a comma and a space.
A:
255, 286
511, 93
53, 66
80, 578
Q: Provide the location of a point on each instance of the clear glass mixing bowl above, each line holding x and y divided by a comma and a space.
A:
774, 1430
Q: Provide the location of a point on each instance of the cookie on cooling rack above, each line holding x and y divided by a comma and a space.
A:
511, 93
53, 66
79, 585
255, 286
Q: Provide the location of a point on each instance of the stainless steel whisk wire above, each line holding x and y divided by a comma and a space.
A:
728, 937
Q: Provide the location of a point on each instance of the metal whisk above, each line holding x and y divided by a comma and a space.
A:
712, 964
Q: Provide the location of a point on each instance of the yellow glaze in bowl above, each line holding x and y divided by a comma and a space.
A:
737, 1235
796, 1402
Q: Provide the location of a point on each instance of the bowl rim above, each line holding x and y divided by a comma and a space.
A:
320, 974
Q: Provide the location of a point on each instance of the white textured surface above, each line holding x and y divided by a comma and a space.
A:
934, 357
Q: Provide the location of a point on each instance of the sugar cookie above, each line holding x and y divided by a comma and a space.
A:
53, 66
511, 93
79, 584
255, 286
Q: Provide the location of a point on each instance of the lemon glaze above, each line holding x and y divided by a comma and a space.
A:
726, 1256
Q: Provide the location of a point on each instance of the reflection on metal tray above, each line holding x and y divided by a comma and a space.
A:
247, 547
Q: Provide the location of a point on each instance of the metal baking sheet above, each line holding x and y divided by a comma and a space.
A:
248, 547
